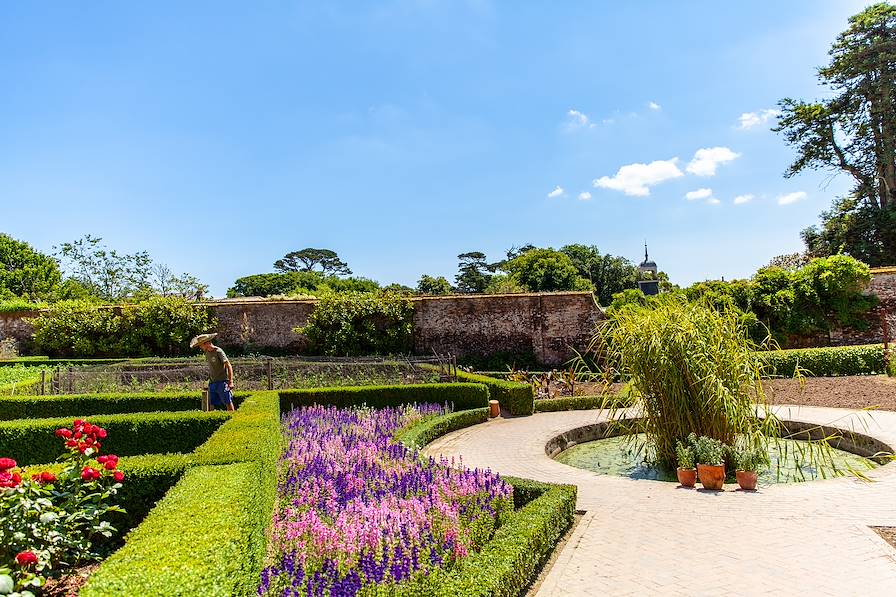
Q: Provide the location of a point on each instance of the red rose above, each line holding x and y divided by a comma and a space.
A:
118, 476
100, 432
110, 466
10, 480
79, 423
102, 459
47, 477
63, 432
78, 435
26, 558
90, 474
71, 444
97, 446
6, 464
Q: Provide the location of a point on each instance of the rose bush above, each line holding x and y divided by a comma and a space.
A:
52, 522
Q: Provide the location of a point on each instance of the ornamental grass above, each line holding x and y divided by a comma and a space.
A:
358, 512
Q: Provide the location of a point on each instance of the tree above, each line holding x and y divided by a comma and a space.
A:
789, 260
546, 270
308, 259
434, 286
25, 272
474, 273
608, 274
107, 273
853, 132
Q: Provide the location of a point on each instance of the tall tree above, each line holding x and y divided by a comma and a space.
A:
474, 272
106, 272
25, 272
434, 286
307, 260
609, 274
853, 132
546, 270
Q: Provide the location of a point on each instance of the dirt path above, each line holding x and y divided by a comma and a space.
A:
861, 391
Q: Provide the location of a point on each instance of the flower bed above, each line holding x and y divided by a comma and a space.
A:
358, 509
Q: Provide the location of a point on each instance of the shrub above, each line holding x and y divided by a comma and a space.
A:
620, 400
206, 537
157, 326
891, 368
709, 451
419, 435
31, 441
825, 362
79, 405
461, 395
685, 455
359, 323
518, 398
18, 380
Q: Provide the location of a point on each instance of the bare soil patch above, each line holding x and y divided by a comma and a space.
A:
888, 533
859, 391
69, 585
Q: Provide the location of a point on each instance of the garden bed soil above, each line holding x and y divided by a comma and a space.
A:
70, 585
888, 533
858, 391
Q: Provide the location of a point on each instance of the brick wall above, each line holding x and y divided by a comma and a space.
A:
883, 284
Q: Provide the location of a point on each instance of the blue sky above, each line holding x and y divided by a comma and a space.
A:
220, 135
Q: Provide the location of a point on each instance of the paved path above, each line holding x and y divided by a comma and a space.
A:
643, 537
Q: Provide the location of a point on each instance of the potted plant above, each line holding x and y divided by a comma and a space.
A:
710, 462
687, 474
747, 462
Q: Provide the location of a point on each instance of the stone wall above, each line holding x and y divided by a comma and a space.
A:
883, 284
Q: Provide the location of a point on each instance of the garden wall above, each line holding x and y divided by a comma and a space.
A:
883, 284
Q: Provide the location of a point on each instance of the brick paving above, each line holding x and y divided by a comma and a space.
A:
642, 537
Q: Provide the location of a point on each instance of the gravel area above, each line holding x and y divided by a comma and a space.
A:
860, 391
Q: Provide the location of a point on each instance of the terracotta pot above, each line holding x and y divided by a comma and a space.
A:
494, 408
687, 477
712, 476
746, 479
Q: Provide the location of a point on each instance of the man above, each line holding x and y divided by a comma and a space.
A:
220, 380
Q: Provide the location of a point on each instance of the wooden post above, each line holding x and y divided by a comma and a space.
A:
43, 381
57, 384
205, 399
71, 380
270, 374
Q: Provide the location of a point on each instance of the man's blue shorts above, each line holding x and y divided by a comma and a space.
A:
219, 395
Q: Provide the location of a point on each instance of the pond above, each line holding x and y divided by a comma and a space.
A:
619, 456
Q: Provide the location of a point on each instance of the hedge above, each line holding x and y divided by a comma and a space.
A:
418, 435
45, 361
582, 403
206, 537
518, 398
463, 396
32, 441
891, 370
84, 405
825, 362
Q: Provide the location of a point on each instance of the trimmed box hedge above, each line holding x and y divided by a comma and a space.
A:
206, 537
32, 441
825, 362
89, 405
546, 405
463, 396
417, 436
518, 398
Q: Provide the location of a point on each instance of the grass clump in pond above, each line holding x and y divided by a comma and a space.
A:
622, 457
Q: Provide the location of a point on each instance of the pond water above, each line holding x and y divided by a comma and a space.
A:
620, 456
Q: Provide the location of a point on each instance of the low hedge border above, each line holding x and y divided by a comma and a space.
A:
462, 396
32, 441
89, 405
206, 537
417, 436
547, 405
518, 398
24, 386
825, 362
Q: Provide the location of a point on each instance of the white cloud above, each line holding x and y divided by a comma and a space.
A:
748, 120
635, 179
584, 196
578, 119
654, 106
557, 192
698, 194
713, 201
706, 160
741, 199
791, 198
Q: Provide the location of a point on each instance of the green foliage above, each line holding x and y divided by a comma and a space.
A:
630, 296
748, 458
81, 405
434, 286
709, 451
504, 284
693, 368
474, 273
461, 395
292, 283
356, 323
31, 441
621, 400
607, 273
18, 379
157, 326
684, 454
18, 305
824, 362
26, 273
307, 259
426, 431
546, 270
853, 131
518, 398
251, 435
105, 272
205, 538
502, 361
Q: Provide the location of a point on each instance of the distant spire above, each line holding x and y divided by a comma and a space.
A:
645, 250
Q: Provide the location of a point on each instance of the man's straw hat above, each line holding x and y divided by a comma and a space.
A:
201, 338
